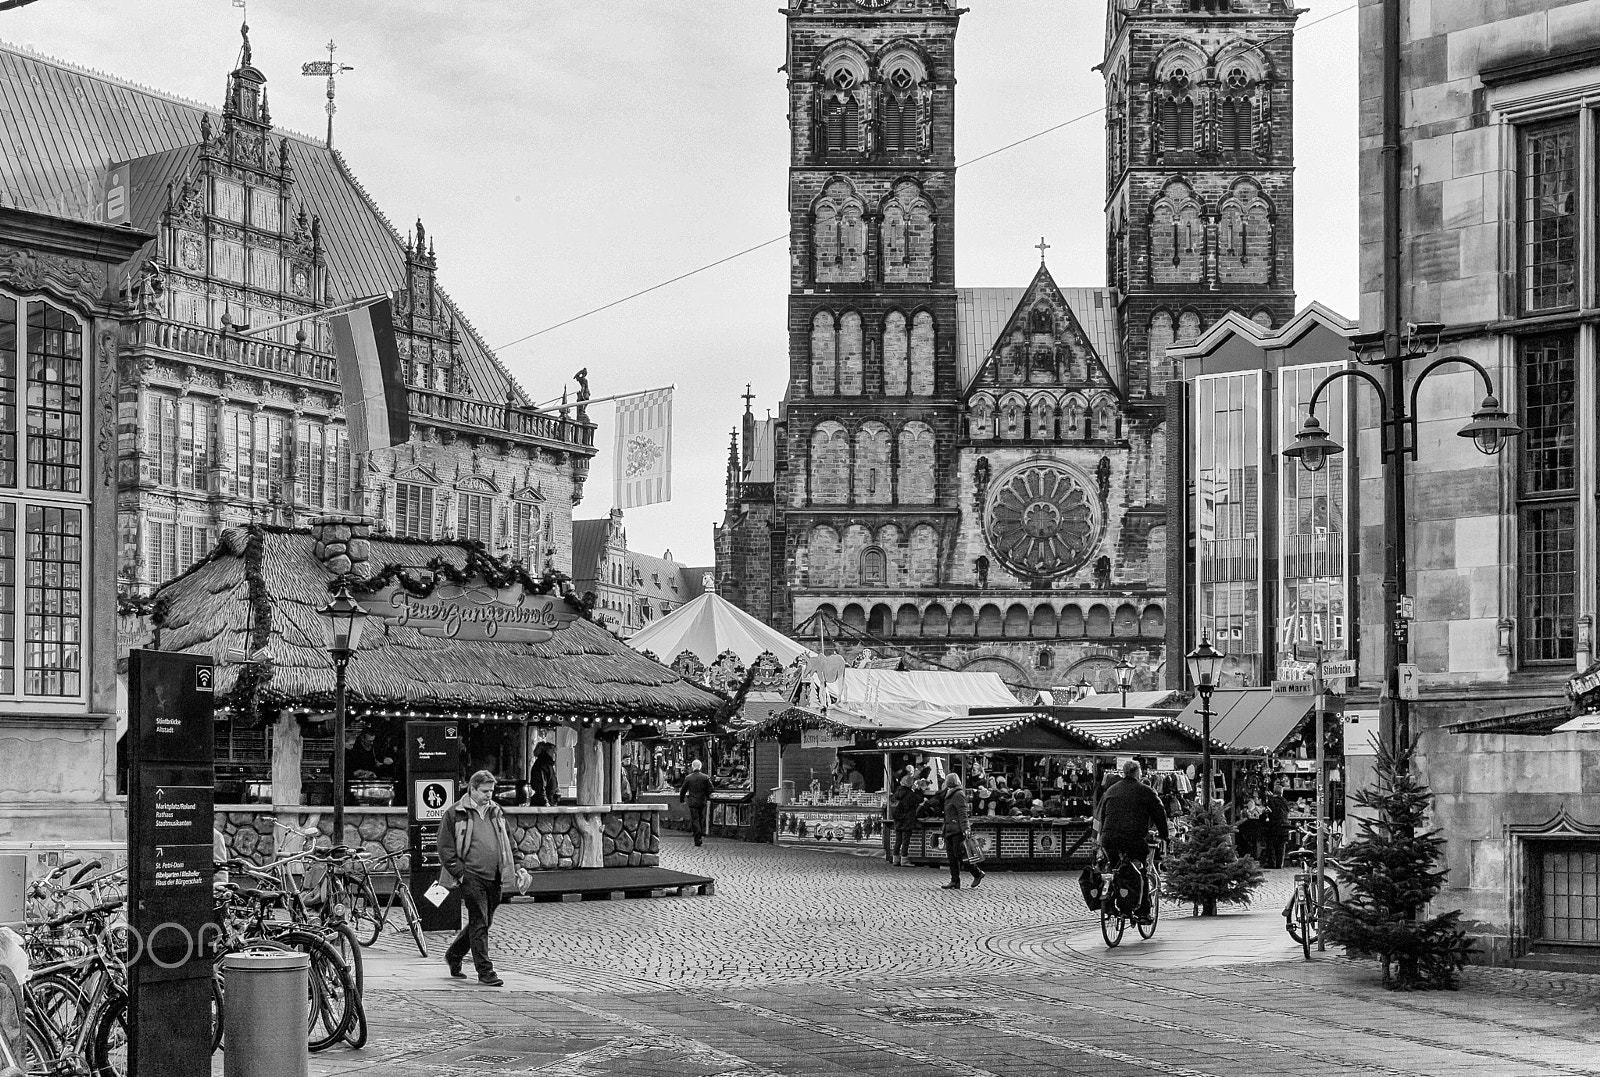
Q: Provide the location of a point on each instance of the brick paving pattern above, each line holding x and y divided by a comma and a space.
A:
822, 963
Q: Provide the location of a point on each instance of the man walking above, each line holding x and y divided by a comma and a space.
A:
957, 831
477, 858
696, 792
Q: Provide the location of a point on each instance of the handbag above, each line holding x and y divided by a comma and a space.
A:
971, 851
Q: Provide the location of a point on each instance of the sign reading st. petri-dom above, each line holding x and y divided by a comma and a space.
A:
475, 611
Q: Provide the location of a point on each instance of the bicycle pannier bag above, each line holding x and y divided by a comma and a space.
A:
1089, 883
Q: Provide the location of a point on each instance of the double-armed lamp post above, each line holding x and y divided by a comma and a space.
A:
342, 618
1205, 664
1490, 428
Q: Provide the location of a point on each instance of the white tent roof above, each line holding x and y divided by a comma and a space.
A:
709, 625
888, 699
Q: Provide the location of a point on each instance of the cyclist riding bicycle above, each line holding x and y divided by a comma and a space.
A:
1127, 811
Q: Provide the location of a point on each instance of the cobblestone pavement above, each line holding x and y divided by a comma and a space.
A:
819, 963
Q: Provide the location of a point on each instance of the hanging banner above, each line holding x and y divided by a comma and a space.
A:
475, 612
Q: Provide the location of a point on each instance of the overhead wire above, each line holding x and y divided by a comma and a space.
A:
960, 165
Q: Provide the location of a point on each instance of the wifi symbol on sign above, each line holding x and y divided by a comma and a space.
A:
202, 678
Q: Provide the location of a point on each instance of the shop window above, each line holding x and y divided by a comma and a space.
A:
1547, 487
1548, 214
1564, 884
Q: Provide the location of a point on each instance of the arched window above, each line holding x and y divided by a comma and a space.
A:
838, 128
1076, 428
1177, 236
1244, 242
905, 100
1011, 419
1237, 111
923, 566
830, 463
1161, 338
916, 477
1189, 327
873, 481
1046, 659
1175, 113
839, 236
1263, 318
854, 543
1042, 421
896, 353
922, 381
874, 568
823, 557
824, 355
1105, 420
907, 236
980, 419
850, 372
1041, 320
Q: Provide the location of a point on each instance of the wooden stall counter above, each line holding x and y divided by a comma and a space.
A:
1013, 842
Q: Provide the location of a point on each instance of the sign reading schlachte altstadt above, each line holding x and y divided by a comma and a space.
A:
473, 612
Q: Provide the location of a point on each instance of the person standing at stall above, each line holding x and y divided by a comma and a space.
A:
542, 791
906, 809
957, 831
696, 793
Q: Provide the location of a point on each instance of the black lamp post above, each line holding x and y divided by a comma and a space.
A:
1205, 663
1490, 428
343, 620
1124, 671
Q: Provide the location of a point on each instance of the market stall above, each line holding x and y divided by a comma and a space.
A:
508, 660
711, 641
1034, 776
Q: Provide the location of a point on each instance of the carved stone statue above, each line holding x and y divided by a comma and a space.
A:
582, 378
925, 119
982, 565
1102, 478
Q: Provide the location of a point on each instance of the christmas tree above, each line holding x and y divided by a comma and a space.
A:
1205, 866
1394, 871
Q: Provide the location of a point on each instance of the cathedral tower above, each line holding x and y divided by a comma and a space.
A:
1199, 171
873, 394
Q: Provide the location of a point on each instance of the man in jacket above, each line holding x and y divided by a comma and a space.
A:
1127, 812
696, 793
476, 857
957, 831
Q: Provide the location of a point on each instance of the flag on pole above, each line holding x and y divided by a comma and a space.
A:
376, 411
642, 471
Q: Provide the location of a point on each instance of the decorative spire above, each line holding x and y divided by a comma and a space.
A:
748, 398
266, 113
1041, 247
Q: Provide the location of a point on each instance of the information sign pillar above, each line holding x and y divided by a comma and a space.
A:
170, 868
433, 759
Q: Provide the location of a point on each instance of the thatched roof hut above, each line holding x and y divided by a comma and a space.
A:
252, 606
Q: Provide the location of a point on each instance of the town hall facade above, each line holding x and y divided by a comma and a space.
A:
978, 476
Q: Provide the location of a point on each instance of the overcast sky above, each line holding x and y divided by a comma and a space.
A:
565, 154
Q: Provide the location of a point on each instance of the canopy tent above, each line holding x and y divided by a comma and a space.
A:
886, 701
710, 625
1250, 719
1037, 731
1113, 700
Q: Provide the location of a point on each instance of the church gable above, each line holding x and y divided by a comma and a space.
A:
1043, 346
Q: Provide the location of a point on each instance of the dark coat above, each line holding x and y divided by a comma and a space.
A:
696, 789
542, 791
1127, 812
956, 812
907, 807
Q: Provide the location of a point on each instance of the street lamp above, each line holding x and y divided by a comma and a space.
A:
1490, 428
1080, 691
1205, 663
1124, 671
342, 620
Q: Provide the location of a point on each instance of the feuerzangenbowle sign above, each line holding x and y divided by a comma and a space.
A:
473, 612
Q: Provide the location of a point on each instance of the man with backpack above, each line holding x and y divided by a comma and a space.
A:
1128, 810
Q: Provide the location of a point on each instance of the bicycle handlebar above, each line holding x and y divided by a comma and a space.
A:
62, 868
83, 914
81, 872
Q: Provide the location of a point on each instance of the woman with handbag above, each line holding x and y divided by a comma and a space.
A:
957, 832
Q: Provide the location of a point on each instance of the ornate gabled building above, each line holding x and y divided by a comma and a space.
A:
254, 227
978, 477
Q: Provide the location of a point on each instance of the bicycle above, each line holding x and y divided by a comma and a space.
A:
1309, 902
76, 1004
370, 916
1120, 908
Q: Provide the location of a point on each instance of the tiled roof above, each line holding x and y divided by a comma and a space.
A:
982, 314
763, 460
659, 578
62, 126
588, 539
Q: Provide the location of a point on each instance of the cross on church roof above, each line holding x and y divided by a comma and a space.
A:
1041, 247
748, 397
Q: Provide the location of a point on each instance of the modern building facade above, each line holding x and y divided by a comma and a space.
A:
1269, 548
1491, 226
978, 476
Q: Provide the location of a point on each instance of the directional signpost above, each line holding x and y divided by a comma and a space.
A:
433, 759
170, 822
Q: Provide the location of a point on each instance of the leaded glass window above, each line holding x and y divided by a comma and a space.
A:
8, 391
55, 400
1548, 174
1547, 480
53, 658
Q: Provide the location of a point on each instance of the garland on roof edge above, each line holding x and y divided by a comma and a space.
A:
494, 571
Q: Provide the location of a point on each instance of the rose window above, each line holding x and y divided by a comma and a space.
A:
1041, 521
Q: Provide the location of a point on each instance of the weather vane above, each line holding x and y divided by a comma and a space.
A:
329, 68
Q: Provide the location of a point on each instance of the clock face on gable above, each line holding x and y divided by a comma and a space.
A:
874, 5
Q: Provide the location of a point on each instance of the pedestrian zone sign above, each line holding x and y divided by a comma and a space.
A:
431, 797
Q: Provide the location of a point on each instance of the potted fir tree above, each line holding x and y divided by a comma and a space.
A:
1205, 867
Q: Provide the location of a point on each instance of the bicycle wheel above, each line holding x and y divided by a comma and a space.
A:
1111, 927
216, 1008
57, 1006
108, 1049
331, 990
363, 909
409, 905
356, 1034
40, 1054
342, 937
1148, 930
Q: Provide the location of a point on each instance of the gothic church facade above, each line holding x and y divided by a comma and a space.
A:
977, 476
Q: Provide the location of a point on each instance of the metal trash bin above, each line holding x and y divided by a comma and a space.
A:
265, 1013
